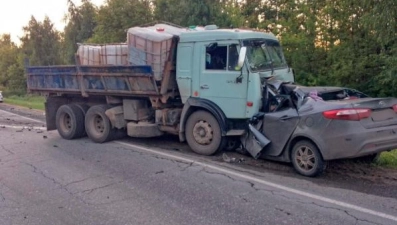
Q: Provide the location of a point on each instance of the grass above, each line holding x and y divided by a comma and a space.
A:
388, 159
28, 101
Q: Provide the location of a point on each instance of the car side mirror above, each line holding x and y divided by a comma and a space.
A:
241, 57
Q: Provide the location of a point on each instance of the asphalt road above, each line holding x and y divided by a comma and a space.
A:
47, 180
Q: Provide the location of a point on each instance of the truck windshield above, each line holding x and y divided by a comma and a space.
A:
264, 54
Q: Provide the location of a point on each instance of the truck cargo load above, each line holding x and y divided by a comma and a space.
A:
107, 54
149, 47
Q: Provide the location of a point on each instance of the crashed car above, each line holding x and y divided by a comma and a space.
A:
311, 125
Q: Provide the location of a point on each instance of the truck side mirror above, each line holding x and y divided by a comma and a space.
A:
241, 57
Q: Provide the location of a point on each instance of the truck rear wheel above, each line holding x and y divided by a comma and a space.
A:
203, 133
97, 124
70, 122
84, 108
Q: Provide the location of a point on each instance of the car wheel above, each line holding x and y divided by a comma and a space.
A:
203, 133
306, 159
97, 124
70, 122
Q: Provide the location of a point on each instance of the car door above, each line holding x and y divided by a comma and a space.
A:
218, 78
278, 128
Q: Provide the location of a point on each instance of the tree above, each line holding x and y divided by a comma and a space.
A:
116, 16
80, 27
41, 43
8, 61
195, 12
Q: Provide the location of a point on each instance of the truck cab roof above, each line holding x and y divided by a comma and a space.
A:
223, 34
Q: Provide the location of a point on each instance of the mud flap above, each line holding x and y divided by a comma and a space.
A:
254, 141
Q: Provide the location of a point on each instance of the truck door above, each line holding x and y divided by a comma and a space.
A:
218, 78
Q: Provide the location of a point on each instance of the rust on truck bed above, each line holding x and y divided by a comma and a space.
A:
97, 80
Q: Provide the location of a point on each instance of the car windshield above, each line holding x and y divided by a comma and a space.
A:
264, 54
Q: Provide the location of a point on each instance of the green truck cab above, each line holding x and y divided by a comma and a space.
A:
210, 78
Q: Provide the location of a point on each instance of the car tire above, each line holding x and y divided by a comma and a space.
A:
97, 125
70, 122
203, 133
306, 159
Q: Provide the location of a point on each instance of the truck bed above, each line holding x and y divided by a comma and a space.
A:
92, 80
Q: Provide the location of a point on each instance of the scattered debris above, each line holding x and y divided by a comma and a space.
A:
227, 159
55, 146
39, 131
44, 137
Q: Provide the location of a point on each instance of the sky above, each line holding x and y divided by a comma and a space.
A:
15, 14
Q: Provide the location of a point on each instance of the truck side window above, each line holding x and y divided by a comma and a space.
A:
216, 59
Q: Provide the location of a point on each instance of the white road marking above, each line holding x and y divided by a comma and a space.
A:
270, 184
10, 113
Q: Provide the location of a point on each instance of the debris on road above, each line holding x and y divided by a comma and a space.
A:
227, 159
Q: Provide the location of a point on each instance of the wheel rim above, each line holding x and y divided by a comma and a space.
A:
305, 158
203, 133
66, 122
99, 124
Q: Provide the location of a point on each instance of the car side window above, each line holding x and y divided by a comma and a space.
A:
221, 57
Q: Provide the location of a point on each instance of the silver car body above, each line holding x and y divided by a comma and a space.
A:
302, 117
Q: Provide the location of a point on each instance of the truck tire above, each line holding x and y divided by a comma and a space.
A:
97, 124
70, 122
84, 108
306, 159
203, 133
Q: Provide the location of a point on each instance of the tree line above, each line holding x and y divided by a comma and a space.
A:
344, 43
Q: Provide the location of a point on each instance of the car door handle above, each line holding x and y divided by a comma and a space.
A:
204, 86
285, 118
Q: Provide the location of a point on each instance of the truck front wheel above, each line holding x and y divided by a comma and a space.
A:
97, 124
203, 133
70, 122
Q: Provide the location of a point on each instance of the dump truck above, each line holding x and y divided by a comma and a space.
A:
203, 84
